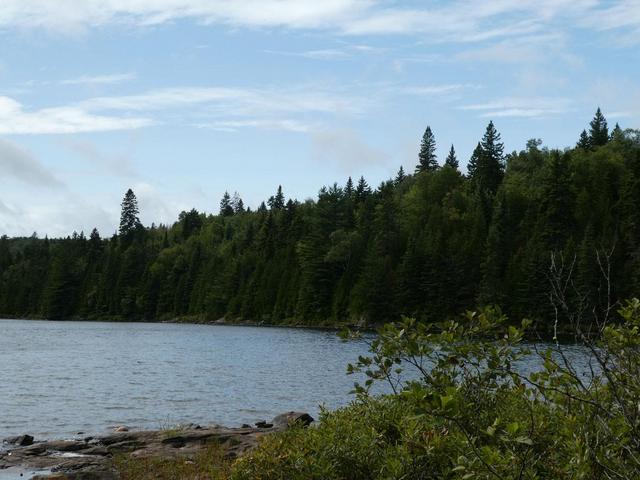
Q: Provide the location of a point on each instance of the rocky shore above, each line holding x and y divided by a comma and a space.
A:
89, 458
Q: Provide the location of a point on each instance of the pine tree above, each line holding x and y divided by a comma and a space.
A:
472, 165
585, 141
237, 203
598, 130
427, 159
362, 190
617, 134
348, 189
452, 159
276, 202
490, 166
401, 176
129, 221
226, 209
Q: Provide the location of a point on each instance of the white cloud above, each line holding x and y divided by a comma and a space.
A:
235, 125
66, 119
460, 20
17, 163
445, 90
521, 107
100, 79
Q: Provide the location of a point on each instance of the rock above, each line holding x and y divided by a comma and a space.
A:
245, 425
263, 424
21, 441
120, 429
287, 419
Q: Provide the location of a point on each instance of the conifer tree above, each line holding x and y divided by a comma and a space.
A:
400, 177
276, 202
362, 190
472, 165
226, 209
237, 203
129, 221
617, 133
452, 159
427, 159
598, 130
490, 167
585, 141
348, 189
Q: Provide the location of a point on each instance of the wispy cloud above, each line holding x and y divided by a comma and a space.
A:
455, 21
520, 107
346, 149
15, 120
19, 164
440, 91
100, 79
217, 107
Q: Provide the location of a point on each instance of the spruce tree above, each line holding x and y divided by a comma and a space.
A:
362, 190
348, 189
472, 165
585, 141
129, 221
490, 168
276, 202
617, 133
400, 177
598, 130
452, 159
226, 209
237, 203
427, 159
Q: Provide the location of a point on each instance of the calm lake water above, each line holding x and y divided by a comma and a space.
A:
61, 378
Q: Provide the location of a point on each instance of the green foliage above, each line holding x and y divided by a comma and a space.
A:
428, 245
467, 412
427, 160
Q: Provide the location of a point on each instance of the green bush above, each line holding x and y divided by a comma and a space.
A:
470, 414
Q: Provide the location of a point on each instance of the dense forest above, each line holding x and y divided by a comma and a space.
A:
429, 244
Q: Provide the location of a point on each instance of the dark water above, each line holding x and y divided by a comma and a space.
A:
61, 378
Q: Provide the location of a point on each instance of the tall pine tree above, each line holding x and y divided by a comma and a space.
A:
598, 130
129, 221
427, 157
452, 159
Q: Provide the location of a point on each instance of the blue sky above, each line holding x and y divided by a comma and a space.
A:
184, 99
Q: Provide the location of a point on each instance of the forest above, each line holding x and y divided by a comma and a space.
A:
428, 244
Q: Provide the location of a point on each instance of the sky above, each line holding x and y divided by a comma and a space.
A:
181, 100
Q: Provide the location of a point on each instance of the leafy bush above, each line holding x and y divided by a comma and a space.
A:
468, 413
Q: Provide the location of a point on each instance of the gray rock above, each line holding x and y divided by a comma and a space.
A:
22, 440
285, 420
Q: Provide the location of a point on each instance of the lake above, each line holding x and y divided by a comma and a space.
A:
61, 378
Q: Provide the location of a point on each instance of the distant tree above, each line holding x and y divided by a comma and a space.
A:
585, 141
237, 203
452, 159
401, 176
598, 130
472, 165
617, 133
427, 159
489, 170
226, 208
191, 222
262, 207
348, 188
362, 190
277, 202
129, 221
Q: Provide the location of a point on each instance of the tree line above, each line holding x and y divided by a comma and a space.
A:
427, 244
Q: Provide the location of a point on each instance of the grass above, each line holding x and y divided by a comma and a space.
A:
208, 464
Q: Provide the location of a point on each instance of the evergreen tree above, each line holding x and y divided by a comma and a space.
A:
452, 159
362, 190
129, 221
400, 177
226, 208
472, 165
348, 189
489, 170
277, 202
427, 157
617, 134
585, 141
598, 130
237, 203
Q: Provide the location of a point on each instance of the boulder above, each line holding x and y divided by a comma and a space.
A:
285, 420
21, 441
